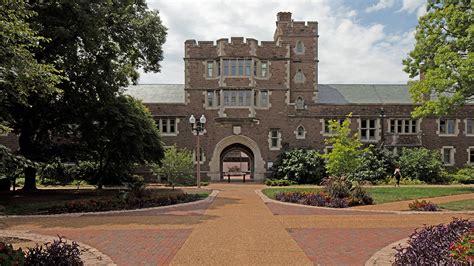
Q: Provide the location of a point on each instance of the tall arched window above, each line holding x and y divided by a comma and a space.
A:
299, 47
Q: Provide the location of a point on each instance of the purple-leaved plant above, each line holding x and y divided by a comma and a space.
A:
431, 245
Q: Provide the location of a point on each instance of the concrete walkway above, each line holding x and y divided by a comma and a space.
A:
243, 232
237, 228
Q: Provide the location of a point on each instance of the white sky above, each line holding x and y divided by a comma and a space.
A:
361, 41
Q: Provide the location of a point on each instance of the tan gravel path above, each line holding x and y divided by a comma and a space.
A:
403, 205
242, 232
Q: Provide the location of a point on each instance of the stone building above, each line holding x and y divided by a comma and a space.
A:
260, 98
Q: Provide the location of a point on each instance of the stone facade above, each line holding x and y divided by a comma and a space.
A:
294, 109
263, 97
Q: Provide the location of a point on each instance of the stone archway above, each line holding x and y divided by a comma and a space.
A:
215, 162
238, 159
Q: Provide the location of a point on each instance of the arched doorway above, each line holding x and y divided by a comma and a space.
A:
237, 163
215, 162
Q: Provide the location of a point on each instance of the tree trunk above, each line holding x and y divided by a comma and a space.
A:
30, 178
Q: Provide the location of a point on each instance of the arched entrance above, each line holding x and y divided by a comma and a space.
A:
237, 163
237, 142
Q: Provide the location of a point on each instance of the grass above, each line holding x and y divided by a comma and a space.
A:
391, 194
463, 205
20, 203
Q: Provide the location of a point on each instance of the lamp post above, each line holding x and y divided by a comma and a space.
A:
198, 127
382, 118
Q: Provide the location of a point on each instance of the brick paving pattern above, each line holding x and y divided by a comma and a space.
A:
345, 246
237, 228
130, 247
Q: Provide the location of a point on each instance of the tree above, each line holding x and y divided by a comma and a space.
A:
21, 75
121, 134
301, 166
345, 157
23, 79
444, 52
99, 46
176, 167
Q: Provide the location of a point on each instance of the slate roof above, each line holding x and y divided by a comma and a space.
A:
364, 94
328, 93
157, 93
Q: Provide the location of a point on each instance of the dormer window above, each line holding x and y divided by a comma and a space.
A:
299, 47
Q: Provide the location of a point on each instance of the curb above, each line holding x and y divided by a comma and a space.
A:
385, 256
209, 198
267, 199
90, 255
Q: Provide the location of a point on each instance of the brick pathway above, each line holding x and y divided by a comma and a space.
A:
237, 228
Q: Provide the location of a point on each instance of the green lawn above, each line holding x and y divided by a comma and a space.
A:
391, 194
463, 205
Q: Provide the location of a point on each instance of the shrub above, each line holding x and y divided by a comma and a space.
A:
337, 187
137, 186
377, 164
421, 164
85, 170
431, 245
57, 253
279, 182
423, 206
360, 196
462, 251
300, 166
338, 203
464, 175
204, 184
56, 173
11, 256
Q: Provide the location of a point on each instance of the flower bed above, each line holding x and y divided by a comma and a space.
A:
423, 205
123, 203
437, 245
337, 193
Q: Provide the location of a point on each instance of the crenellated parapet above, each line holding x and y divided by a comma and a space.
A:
235, 47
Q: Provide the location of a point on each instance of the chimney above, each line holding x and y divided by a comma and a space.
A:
284, 17
426, 96
422, 72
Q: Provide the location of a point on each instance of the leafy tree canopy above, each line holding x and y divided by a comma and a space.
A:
22, 77
121, 133
444, 51
345, 157
99, 47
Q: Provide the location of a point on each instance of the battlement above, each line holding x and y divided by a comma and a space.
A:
233, 41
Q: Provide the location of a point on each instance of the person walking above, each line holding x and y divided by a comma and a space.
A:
397, 174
